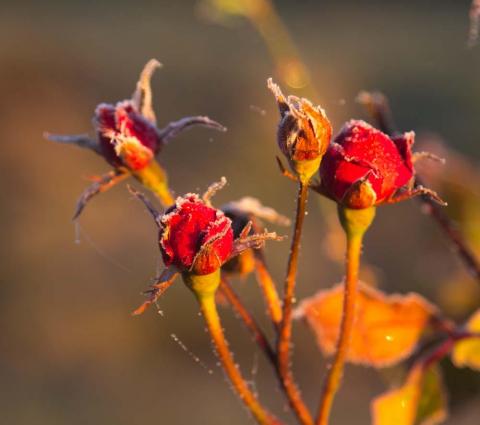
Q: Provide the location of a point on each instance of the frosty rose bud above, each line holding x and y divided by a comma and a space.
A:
126, 138
303, 134
195, 237
364, 167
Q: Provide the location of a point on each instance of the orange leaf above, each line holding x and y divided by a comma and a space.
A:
420, 400
386, 330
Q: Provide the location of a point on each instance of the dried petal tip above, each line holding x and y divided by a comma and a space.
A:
303, 134
142, 97
213, 189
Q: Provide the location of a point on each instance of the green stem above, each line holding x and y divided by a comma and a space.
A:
204, 288
355, 224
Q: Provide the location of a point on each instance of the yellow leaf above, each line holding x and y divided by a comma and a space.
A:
466, 352
420, 401
386, 330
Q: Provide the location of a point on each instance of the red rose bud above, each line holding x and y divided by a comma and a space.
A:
196, 240
126, 138
364, 167
195, 237
303, 134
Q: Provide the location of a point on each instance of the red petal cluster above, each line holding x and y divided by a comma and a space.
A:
364, 167
195, 237
124, 121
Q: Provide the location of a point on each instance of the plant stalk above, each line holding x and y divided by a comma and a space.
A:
248, 320
210, 314
269, 290
285, 331
355, 223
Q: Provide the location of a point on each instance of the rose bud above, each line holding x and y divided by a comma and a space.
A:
129, 140
303, 133
364, 167
197, 239
194, 236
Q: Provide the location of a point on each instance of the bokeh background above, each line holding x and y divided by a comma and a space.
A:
70, 353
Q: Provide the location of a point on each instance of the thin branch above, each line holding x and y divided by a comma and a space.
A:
212, 319
285, 331
249, 321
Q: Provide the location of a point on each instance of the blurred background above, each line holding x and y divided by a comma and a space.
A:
70, 353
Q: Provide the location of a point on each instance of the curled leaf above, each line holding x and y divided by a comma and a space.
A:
466, 352
421, 400
387, 327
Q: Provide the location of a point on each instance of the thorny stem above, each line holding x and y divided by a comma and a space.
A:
378, 107
210, 314
253, 327
355, 223
270, 293
285, 331
248, 320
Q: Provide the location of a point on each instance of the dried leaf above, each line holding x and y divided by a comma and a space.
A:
466, 352
386, 330
420, 401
